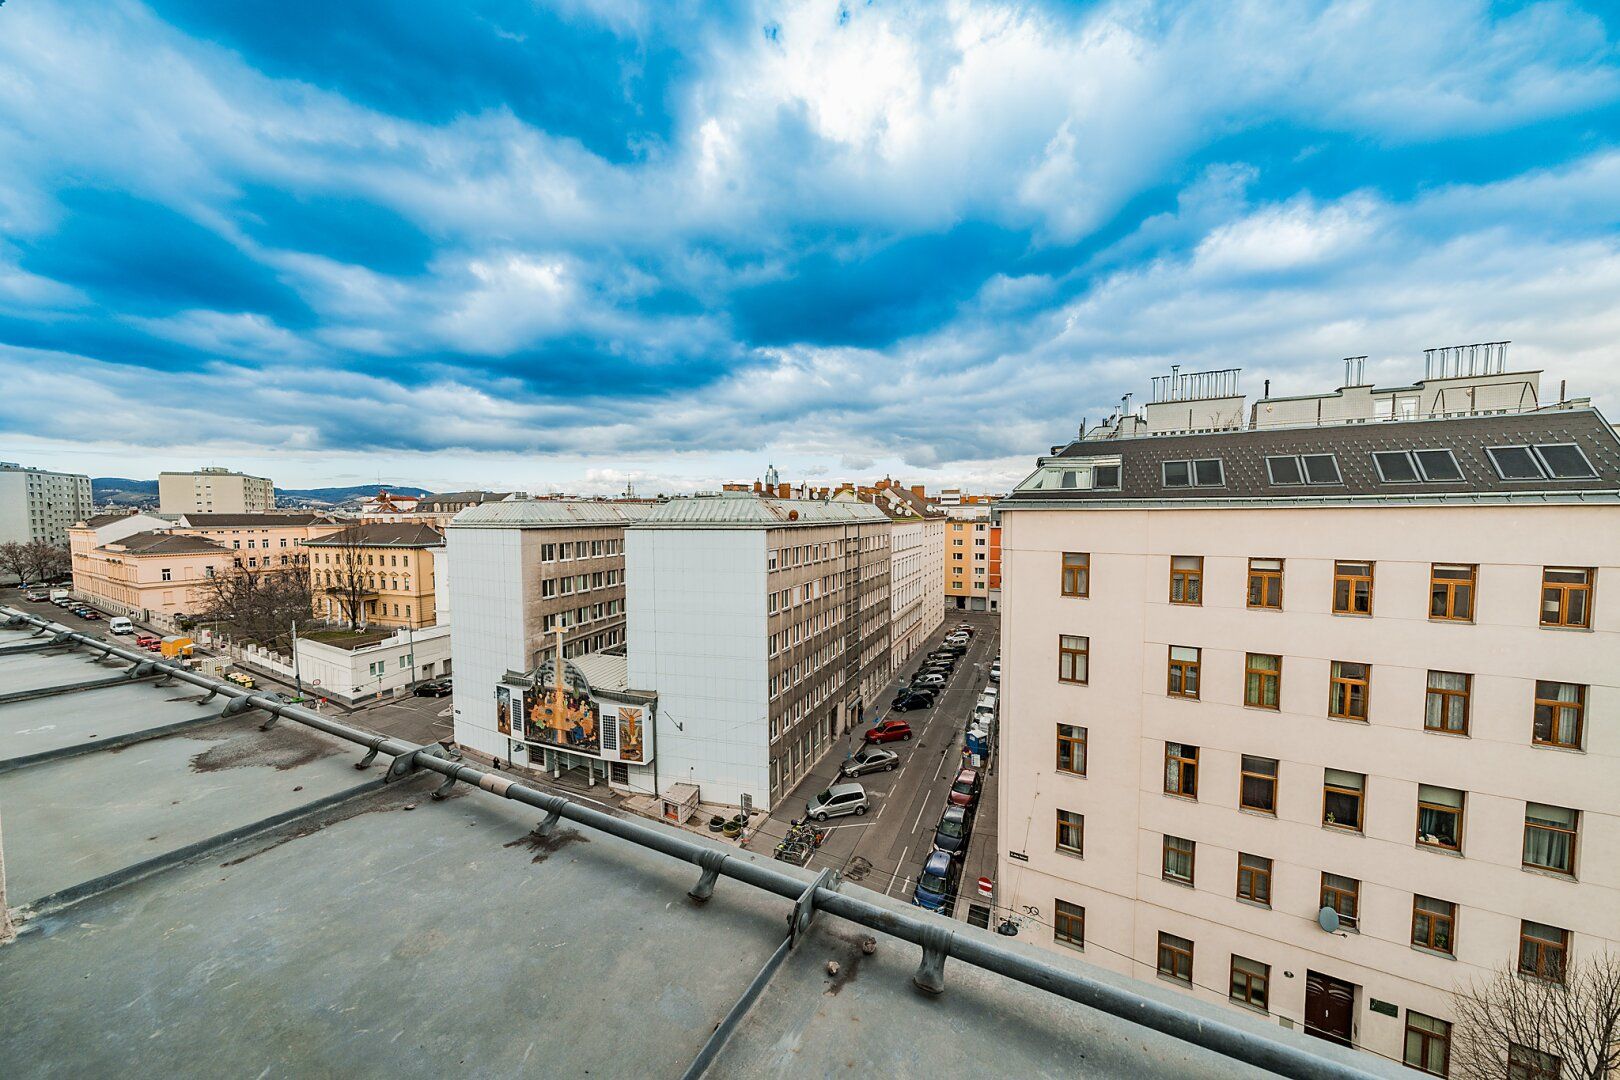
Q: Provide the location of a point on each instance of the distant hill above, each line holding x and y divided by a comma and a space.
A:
338, 496
120, 491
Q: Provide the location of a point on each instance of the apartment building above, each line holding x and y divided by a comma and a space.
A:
143, 573
972, 563
214, 491
763, 626
916, 551
273, 540
385, 574
40, 505
1318, 719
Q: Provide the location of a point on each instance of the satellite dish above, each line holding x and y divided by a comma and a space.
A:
1328, 919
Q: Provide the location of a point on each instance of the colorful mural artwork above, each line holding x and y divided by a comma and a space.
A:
503, 709
576, 725
630, 745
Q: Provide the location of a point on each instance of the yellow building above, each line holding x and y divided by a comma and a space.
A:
972, 560
376, 575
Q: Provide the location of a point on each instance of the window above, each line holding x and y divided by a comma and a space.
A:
1395, 467
1559, 710
1254, 879
1542, 950
1205, 472
1181, 770
1175, 957
1352, 588
1566, 596
1527, 1064
167, 574
1178, 859
1349, 685
1343, 895
1549, 837
1434, 924
1071, 832
1262, 680
1544, 461
1071, 749
1514, 462
1076, 573
1437, 465
1342, 798
1428, 1043
1303, 469
1069, 924
1183, 674
1265, 583
1451, 592
1440, 817
1258, 790
1105, 477
1249, 979
1321, 469
1285, 470
1446, 708
1073, 658
1187, 579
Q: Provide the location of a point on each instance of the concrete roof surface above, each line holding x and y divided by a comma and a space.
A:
536, 513
747, 510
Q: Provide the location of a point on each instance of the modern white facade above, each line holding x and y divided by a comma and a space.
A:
37, 504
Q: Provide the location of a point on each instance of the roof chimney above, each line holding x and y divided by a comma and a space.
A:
784, 491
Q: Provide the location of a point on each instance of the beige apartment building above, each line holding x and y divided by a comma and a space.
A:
387, 571
263, 541
1318, 718
214, 491
916, 551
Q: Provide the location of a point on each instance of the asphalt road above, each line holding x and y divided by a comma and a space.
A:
885, 849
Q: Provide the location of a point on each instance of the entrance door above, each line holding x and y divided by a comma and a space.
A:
1329, 1007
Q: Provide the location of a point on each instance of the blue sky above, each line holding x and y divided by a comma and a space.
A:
561, 246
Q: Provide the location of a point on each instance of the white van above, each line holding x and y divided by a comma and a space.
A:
120, 625
984, 711
58, 594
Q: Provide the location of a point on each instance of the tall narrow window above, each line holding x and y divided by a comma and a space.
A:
1249, 982
1175, 957
1254, 879
1071, 749
1069, 924
1348, 688
1181, 770
1434, 924
1451, 592
1446, 708
1071, 832
1440, 817
1549, 837
1073, 658
1262, 680
1265, 583
1566, 596
1076, 573
1542, 950
1258, 790
1183, 674
1428, 1044
1560, 708
1343, 895
1342, 799
1187, 579
1178, 859
1352, 588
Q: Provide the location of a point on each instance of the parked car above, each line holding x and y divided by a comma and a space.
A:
938, 882
995, 670
837, 800
939, 667
143, 640
907, 700
963, 628
954, 829
952, 650
433, 688
957, 638
91, 616
929, 678
889, 731
872, 759
965, 791
36, 597
155, 646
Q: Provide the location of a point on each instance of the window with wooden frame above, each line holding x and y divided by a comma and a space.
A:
1262, 680
1550, 834
1179, 857
1352, 588
1186, 579
1250, 979
1543, 951
1342, 801
1428, 1044
1071, 749
1254, 878
1343, 895
1076, 573
1182, 676
1446, 707
1451, 592
1175, 957
1560, 712
1181, 770
1349, 686
1074, 658
1265, 584
1071, 832
1440, 817
1258, 790
1525, 1063
1566, 596
1434, 924
1069, 924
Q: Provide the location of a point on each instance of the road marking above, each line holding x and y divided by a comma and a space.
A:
920, 811
896, 877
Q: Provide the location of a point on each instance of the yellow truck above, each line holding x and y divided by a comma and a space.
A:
177, 646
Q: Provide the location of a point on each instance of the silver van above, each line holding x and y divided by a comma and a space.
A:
838, 800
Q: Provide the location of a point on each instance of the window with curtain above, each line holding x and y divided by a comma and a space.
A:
1265, 583
1560, 711
1262, 680
1254, 878
1178, 859
1187, 579
1440, 812
1446, 707
1342, 798
1249, 981
1549, 837
1428, 1043
1349, 685
1076, 573
1182, 677
1433, 923
1181, 770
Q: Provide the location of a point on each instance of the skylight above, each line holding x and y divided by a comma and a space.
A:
1395, 467
1437, 465
1564, 461
1073, 476
1544, 461
1202, 472
1413, 466
1304, 469
1514, 462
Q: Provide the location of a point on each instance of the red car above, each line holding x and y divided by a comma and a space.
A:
144, 641
965, 791
155, 646
889, 731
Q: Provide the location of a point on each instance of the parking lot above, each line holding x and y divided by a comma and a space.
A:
885, 848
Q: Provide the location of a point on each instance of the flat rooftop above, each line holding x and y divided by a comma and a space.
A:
200, 897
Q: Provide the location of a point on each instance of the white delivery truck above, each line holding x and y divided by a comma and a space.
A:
58, 594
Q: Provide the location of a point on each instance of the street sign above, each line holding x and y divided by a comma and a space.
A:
985, 886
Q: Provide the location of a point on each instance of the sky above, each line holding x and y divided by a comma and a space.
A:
572, 245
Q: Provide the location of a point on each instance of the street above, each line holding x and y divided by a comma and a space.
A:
885, 849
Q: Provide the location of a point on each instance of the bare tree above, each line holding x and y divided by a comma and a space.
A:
47, 560
341, 574
1514, 1026
256, 605
15, 560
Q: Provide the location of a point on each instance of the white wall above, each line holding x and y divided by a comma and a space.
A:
696, 623
486, 638
347, 674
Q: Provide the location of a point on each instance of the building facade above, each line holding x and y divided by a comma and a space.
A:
214, 491
40, 505
145, 574
916, 551
379, 575
972, 559
1317, 720
763, 626
263, 541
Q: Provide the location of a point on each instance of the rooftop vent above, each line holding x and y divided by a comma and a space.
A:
1195, 385
1457, 361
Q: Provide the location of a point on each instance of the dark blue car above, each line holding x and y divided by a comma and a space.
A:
937, 883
